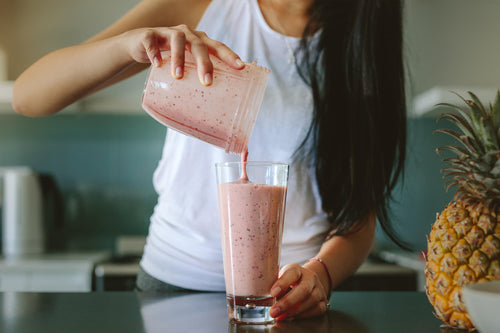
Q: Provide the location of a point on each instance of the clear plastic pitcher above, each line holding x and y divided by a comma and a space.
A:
222, 114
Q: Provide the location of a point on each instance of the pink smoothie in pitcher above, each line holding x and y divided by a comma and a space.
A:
222, 114
252, 225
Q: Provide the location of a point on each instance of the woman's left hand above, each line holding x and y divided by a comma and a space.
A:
300, 294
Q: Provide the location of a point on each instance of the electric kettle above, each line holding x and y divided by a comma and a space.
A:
21, 203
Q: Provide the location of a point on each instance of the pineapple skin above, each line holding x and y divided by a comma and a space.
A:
463, 247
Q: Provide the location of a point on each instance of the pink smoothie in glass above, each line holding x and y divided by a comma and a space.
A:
252, 224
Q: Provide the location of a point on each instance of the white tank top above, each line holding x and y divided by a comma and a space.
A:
183, 246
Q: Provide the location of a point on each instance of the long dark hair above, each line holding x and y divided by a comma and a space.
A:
357, 139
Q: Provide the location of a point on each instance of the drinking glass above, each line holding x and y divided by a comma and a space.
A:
251, 215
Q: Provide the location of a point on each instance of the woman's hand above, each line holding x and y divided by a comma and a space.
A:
144, 46
300, 294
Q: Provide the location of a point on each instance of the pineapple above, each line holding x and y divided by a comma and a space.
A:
464, 242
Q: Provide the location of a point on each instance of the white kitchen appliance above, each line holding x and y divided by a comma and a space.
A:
21, 203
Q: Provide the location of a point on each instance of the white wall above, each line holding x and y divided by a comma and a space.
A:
453, 42
448, 42
32, 28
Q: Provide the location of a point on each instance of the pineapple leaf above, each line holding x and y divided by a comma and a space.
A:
450, 185
461, 152
479, 121
461, 123
486, 130
452, 181
463, 112
471, 145
474, 163
450, 176
480, 165
458, 196
489, 135
454, 161
467, 185
494, 190
495, 111
473, 112
469, 166
478, 104
487, 124
495, 171
448, 170
458, 163
488, 182
491, 157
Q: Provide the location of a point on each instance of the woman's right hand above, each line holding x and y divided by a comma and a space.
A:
145, 44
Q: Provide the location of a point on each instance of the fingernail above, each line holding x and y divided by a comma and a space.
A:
156, 62
208, 79
275, 312
178, 72
239, 62
275, 291
282, 317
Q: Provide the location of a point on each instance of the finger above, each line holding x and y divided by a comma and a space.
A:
288, 314
221, 51
200, 53
315, 297
177, 52
289, 275
298, 294
317, 310
150, 44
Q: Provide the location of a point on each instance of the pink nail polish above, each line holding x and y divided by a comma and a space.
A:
156, 62
178, 72
275, 291
208, 79
274, 312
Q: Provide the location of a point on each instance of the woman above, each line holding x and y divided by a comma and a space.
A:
334, 109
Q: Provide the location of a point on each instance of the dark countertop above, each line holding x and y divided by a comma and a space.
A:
123, 312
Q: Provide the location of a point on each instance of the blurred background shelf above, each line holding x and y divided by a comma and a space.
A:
425, 104
99, 103
6, 96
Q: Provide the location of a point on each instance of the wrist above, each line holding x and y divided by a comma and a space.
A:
124, 47
321, 269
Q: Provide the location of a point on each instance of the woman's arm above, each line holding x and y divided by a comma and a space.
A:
310, 283
125, 48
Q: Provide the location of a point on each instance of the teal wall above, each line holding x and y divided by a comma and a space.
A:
420, 193
104, 164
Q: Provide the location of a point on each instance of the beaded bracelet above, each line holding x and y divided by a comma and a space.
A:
330, 280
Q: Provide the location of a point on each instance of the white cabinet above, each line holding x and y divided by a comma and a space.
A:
71, 272
5, 95
125, 101
426, 103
